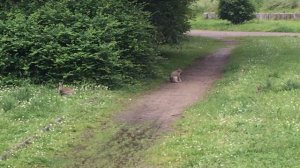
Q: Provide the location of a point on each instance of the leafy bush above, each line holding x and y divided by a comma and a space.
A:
236, 11
170, 17
105, 41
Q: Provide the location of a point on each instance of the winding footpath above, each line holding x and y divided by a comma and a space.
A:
154, 113
166, 104
163, 106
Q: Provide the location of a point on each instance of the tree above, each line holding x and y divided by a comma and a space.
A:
236, 11
170, 17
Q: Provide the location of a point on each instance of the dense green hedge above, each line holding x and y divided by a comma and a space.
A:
170, 17
105, 41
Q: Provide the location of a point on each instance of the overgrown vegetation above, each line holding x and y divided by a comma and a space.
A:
104, 42
272, 6
236, 11
281, 6
107, 42
170, 17
201, 6
250, 119
30, 113
253, 25
198, 22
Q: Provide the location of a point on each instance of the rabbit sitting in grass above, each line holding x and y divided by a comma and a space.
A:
63, 91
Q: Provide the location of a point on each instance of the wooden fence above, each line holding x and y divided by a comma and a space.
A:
262, 16
278, 16
210, 15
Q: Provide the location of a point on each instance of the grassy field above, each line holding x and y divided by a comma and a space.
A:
39, 128
254, 25
269, 6
250, 119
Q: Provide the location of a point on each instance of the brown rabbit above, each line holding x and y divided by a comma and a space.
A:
175, 76
63, 91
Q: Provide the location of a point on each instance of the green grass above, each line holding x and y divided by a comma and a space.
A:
87, 116
254, 25
280, 10
269, 6
26, 110
250, 119
201, 6
181, 56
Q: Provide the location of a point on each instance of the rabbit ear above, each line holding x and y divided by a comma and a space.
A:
60, 85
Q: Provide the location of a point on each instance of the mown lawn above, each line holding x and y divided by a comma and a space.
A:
39, 128
254, 25
250, 119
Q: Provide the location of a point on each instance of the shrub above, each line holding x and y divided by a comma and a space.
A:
170, 17
236, 11
105, 41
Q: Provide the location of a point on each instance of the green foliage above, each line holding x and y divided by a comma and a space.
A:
201, 6
101, 41
258, 4
236, 11
253, 25
272, 6
280, 4
170, 17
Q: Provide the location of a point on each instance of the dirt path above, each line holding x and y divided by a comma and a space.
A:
154, 113
163, 106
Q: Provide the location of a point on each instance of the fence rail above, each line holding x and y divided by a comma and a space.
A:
278, 16
262, 16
